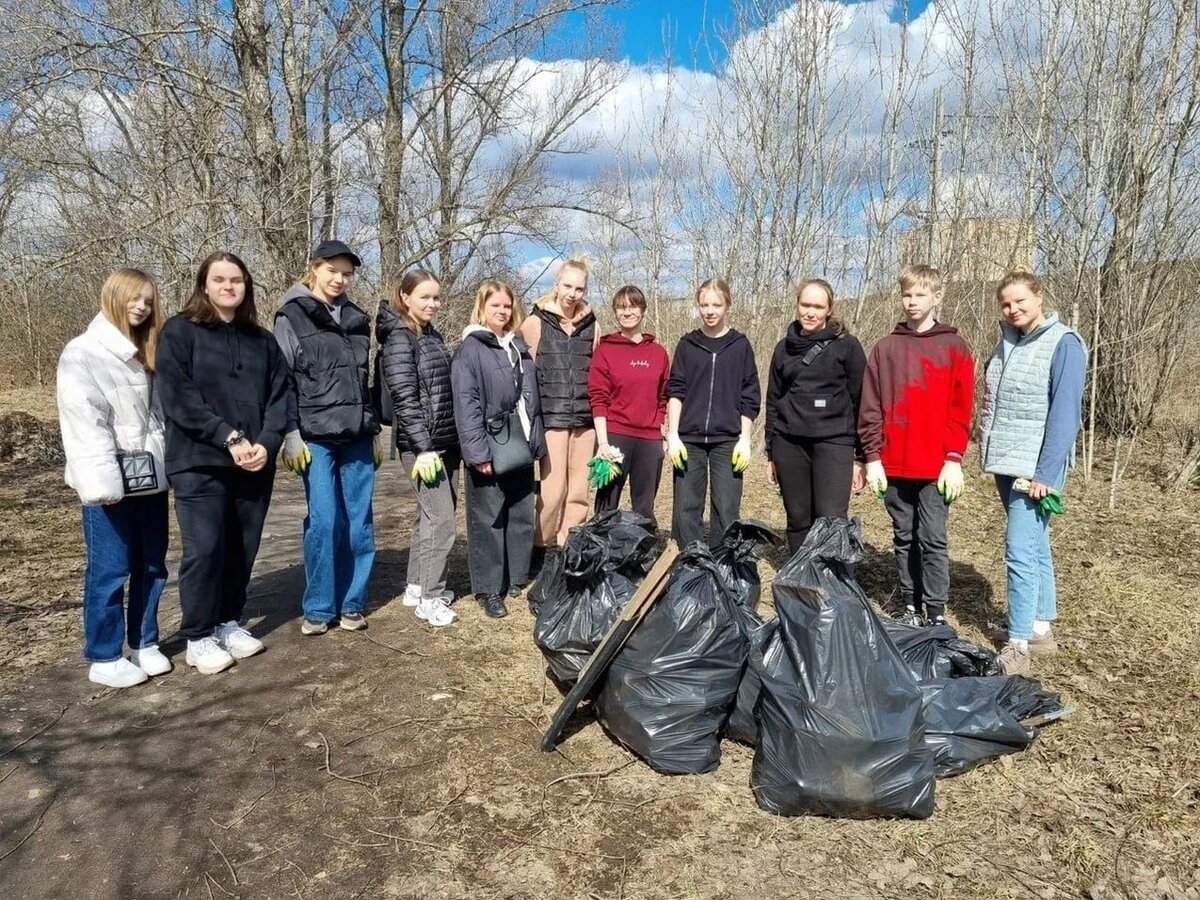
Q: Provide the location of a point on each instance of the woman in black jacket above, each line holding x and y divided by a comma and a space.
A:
416, 369
813, 392
493, 377
227, 403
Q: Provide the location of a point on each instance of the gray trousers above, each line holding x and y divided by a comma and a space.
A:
433, 533
500, 513
919, 536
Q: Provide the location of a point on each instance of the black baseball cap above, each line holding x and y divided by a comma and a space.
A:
330, 249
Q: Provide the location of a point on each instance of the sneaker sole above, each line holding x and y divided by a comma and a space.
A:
453, 618
361, 626
207, 670
313, 632
117, 685
245, 654
154, 672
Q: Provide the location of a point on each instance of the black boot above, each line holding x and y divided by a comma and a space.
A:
493, 605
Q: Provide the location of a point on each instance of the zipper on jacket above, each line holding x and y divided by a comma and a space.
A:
712, 379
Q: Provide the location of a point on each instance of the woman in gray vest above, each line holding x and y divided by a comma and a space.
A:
326, 340
1032, 406
561, 334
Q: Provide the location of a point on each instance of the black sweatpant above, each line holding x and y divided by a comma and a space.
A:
221, 513
709, 461
919, 536
500, 513
814, 478
642, 469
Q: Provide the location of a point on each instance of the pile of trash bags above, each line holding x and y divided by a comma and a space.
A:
581, 590
670, 689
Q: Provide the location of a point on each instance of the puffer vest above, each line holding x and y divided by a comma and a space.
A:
1016, 398
563, 361
330, 370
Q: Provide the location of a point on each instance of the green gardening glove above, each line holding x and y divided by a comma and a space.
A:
1052, 504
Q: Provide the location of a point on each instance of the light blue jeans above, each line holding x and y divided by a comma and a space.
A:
1032, 594
339, 530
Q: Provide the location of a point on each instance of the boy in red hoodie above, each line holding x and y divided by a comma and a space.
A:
913, 422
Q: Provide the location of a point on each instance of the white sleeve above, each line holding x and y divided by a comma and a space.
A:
88, 440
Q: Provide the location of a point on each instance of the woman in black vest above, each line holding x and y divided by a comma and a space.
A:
494, 382
326, 340
561, 335
416, 369
813, 391
227, 403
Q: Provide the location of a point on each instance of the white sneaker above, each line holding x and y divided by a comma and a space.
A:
412, 595
119, 673
150, 660
207, 656
236, 640
436, 612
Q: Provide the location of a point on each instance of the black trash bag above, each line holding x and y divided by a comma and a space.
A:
737, 557
936, 651
669, 690
582, 590
741, 725
970, 720
840, 727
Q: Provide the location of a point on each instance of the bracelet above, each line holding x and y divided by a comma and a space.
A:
236, 438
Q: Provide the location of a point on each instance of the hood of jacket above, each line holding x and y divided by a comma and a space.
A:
616, 337
796, 341
314, 305
903, 329
488, 337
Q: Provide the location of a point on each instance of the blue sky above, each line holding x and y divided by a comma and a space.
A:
689, 27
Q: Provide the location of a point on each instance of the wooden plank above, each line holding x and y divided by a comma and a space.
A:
643, 598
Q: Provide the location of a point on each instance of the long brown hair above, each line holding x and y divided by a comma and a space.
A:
200, 309
121, 287
411, 280
832, 321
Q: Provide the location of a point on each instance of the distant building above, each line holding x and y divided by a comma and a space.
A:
970, 249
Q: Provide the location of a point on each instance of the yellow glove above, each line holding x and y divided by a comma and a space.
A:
377, 452
741, 455
427, 468
950, 482
296, 456
677, 452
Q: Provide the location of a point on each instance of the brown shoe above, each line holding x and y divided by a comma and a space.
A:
1043, 644
1013, 660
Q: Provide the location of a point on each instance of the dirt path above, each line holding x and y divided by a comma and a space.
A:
403, 762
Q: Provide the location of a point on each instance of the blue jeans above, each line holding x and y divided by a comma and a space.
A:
339, 530
126, 542
1032, 594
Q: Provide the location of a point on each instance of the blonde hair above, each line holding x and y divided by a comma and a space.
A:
720, 285
412, 280
920, 274
118, 290
489, 287
1020, 276
575, 262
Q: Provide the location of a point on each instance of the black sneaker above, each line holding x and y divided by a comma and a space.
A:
493, 606
353, 621
309, 627
911, 617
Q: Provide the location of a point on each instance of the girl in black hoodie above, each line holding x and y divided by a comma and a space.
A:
713, 399
813, 392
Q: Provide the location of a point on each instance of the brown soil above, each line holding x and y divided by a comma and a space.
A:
404, 762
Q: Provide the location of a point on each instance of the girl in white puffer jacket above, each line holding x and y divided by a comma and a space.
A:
112, 430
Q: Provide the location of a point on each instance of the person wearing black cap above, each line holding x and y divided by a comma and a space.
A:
326, 340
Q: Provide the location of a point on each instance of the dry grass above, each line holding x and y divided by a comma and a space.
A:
456, 801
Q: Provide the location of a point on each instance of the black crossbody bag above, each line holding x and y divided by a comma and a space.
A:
137, 466
507, 444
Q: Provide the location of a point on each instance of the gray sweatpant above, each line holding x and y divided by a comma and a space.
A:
919, 537
433, 533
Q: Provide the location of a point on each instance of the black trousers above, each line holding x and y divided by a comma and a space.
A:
221, 513
919, 536
642, 469
500, 512
814, 478
706, 462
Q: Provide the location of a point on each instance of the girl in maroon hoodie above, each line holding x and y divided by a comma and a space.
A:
627, 386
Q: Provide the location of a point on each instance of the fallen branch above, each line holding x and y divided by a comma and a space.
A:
574, 775
407, 840
232, 874
62, 711
253, 802
353, 779
30, 833
396, 649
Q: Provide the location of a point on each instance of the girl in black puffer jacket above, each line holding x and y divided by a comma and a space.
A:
416, 370
813, 392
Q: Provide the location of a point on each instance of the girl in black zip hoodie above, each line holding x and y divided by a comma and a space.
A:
713, 399
227, 402
813, 392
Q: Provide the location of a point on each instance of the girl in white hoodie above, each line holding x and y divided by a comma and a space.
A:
112, 432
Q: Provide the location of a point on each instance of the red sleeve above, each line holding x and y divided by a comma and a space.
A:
962, 401
664, 363
599, 384
870, 410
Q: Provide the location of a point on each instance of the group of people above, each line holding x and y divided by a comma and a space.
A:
206, 401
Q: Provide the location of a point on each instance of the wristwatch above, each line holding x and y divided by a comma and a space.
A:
236, 438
